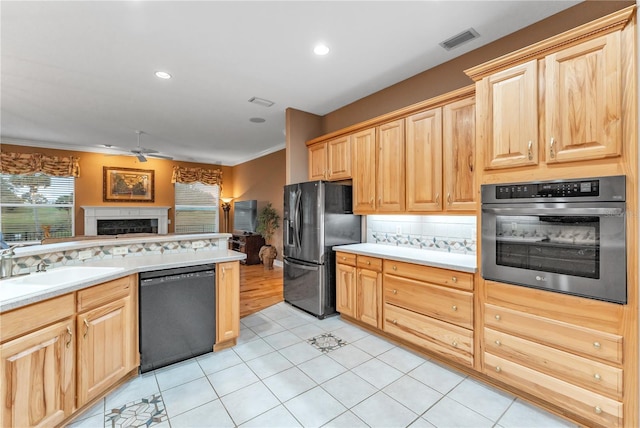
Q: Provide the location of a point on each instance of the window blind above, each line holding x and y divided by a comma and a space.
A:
196, 208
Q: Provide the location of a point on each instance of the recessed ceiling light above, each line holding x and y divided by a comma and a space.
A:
321, 49
163, 75
257, 120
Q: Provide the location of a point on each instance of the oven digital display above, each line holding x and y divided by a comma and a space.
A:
565, 189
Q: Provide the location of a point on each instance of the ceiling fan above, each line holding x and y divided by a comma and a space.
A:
142, 153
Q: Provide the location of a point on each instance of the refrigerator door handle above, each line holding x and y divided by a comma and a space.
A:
301, 266
297, 219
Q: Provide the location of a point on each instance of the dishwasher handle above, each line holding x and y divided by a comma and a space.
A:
173, 278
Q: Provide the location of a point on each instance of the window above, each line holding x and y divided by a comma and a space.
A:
196, 207
36, 205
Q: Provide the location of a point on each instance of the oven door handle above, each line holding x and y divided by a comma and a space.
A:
584, 212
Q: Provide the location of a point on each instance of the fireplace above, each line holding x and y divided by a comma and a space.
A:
105, 220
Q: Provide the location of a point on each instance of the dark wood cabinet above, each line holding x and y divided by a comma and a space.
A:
249, 244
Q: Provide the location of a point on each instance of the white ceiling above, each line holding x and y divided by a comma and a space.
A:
80, 74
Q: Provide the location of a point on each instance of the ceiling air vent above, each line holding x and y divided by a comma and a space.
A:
459, 39
261, 101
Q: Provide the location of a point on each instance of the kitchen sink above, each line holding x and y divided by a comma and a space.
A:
39, 281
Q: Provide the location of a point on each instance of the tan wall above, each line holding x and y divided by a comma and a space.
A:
449, 76
89, 185
262, 179
301, 127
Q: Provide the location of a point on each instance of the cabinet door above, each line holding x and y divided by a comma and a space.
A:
424, 161
583, 101
369, 297
317, 162
363, 145
459, 123
509, 123
38, 383
104, 338
390, 167
227, 301
339, 158
346, 289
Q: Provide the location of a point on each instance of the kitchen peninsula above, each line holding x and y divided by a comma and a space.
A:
77, 327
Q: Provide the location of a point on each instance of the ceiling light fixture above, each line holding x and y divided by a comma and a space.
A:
261, 101
321, 49
257, 120
163, 75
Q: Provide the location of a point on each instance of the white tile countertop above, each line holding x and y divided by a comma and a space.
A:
441, 259
15, 294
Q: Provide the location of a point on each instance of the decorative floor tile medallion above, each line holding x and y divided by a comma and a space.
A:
145, 412
326, 342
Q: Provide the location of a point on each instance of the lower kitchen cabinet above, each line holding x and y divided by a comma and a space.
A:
228, 304
346, 284
37, 363
107, 339
359, 288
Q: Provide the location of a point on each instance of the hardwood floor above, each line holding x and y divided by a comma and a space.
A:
259, 288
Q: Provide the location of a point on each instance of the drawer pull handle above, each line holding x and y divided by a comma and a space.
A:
454, 344
395, 322
449, 199
454, 308
596, 345
395, 291
395, 267
70, 333
552, 151
498, 369
437, 198
597, 376
598, 410
498, 343
529, 153
86, 328
454, 279
498, 317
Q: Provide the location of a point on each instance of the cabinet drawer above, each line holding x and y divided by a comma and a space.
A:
446, 277
23, 320
346, 258
595, 376
371, 263
453, 342
445, 304
596, 408
104, 293
584, 341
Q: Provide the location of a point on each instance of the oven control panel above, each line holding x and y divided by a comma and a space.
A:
565, 189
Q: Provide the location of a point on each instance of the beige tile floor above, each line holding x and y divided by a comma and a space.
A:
275, 378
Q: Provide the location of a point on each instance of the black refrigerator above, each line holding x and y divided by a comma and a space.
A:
317, 216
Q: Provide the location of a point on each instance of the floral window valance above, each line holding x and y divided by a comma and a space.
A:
191, 175
31, 163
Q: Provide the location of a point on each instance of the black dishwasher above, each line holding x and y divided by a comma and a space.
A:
177, 315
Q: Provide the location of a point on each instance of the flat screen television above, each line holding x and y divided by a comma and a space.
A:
245, 214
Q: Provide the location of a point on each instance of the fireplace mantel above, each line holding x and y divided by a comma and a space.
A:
94, 213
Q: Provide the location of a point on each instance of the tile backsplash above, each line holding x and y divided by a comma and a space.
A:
453, 234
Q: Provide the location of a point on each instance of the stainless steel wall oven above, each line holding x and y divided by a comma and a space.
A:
566, 236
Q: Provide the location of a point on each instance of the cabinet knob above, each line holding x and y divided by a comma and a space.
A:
596, 345
498, 343
454, 344
498, 369
368, 262
598, 410
498, 317
395, 267
344, 258
454, 279
395, 291
395, 321
597, 376
454, 308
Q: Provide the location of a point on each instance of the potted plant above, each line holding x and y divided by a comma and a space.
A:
268, 222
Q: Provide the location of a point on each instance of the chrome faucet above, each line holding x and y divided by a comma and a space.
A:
6, 261
42, 266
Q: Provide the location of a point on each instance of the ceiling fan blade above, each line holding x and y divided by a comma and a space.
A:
159, 156
146, 151
140, 157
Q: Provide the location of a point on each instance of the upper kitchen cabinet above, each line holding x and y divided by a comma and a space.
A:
583, 105
560, 100
508, 117
390, 167
364, 171
330, 160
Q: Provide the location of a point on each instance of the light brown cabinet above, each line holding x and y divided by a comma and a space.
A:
228, 304
390, 188
330, 160
107, 336
424, 161
359, 288
38, 377
364, 171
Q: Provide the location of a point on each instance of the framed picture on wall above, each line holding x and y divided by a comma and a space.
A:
127, 185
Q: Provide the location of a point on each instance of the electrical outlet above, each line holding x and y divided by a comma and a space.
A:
197, 244
83, 255
398, 230
514, 226
119, 251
